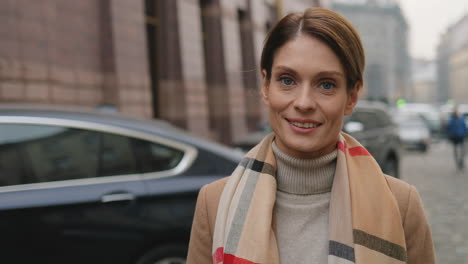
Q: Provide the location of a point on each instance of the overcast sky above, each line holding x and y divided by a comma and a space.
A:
428, 19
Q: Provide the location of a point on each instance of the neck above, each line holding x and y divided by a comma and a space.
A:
304, 176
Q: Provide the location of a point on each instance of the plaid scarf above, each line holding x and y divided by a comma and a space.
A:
365, 224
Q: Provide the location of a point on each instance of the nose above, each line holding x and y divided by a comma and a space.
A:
305, 100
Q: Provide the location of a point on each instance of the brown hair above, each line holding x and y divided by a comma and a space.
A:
331, 28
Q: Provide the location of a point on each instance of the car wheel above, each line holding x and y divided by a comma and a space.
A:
171, 254
391, 167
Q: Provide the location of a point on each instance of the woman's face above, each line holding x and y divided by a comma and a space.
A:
307, 97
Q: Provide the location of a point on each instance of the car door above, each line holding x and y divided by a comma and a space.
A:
67, 195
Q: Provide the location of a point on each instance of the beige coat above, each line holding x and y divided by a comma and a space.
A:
418, 236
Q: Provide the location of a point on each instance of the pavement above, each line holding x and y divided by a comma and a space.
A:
443, 190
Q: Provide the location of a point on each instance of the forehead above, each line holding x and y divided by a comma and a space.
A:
306, 53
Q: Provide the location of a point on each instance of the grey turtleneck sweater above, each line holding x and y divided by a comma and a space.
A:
302, 207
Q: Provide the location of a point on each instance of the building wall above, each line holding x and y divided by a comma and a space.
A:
192, 53
74, 53
423, 91
147, 58
458, 66
233, 65
443, 78
452, 69
383, 30
424, 83
130, 69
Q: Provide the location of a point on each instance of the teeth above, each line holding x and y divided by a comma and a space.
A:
304, 125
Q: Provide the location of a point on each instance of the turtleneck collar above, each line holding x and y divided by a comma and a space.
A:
304, 176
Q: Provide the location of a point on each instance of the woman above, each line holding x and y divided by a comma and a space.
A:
309, 193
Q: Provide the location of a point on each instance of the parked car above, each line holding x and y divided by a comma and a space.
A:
429, 114
414, 132
84, 187
415, 135
372, 125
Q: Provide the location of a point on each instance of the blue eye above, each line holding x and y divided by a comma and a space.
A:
327, 85
286, 81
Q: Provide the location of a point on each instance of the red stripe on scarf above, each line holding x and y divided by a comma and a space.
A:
341, 145
359, 151
219, 256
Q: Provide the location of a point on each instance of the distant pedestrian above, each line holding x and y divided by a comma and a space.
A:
457, 130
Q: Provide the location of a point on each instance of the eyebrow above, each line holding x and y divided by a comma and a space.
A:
285, 68
320, 74
328, 73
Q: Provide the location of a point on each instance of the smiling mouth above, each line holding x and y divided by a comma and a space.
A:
304, 124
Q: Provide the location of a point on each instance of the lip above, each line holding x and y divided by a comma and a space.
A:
300, 120
301, 130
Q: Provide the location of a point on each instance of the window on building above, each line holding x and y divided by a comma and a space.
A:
152, 30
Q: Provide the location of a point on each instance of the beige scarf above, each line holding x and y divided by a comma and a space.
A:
365, 224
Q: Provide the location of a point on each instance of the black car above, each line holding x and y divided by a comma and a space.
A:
372, 125
84, 187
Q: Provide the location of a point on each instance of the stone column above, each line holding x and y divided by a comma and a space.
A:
215, 71
132, 87
233, 64
193, 67
249, 69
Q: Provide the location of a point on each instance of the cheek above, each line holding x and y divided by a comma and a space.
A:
277, 102
335, 112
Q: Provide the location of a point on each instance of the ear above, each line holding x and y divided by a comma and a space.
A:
352, 98
265, 87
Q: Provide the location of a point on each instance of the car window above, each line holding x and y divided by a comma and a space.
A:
115, 155
154, 157
368, 119
382, 118
42, 153
38, 153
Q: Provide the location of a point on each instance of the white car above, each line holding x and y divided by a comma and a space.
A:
413, 130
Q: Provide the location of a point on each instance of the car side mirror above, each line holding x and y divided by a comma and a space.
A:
353, 127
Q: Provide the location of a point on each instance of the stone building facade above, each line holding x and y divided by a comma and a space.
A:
458, 66
191, 62
84, 53
452, 63
384, 32
423, 86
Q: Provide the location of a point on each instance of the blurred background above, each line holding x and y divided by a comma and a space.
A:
194, 64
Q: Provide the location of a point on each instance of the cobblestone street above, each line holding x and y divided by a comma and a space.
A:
444, 193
